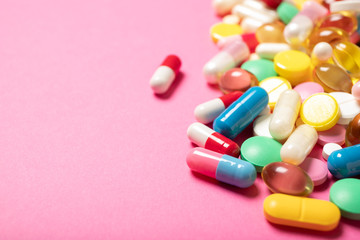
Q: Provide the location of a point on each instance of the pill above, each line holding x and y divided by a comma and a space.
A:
329, 148
300, 26
322, 52
336, 134
355, 91
299, 144
265, 111
223, 168
301, 212
352, 136
261, 126
250, 25
345, 162
206, 112
353, 5
287, 12
329, 35
332, 78
262, 15
237, 79
285, 114
293, 65
320, 111
347, 56
269, 50
241, 112
273, 3
344, 20
228, 58
316, 169
345, 194
165, 74
349, 107
231, 19
205, 137
306, 89
282, 177
222, 30
261, 68
274, 86
271, 33
248, 38
223, 7
299, 122
260, 151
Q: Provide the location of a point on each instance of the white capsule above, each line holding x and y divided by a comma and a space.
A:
329, 148
349, 5
228, 58
269, 50
285, 114
299, 145
199, 133
223, 7
260, 15
250, 25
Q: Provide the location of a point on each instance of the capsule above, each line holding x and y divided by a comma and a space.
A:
165, 74
345, 162
223, 7
297, 31
329, 35
206, 112
228, 58
344, 20
223, 168
299, 144
301, 212
205, 137
241, 112
262, 15
271, 33
352, 136
285, 114
248, 38
237, 79
269, 50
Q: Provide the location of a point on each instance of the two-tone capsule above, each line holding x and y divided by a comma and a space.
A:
206, 112
205, 137
224, 168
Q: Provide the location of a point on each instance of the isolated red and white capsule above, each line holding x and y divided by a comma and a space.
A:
207, 138
206, 112
165, 75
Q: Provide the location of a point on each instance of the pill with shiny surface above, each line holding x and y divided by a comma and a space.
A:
355, 91
344, 20
316, 169
299, 144
165, 74
345, 162
224, 168
261, 126
274, 86
352, 136
205, 137
348, 105
345, 194
328, 35
206, 112
271, 33
281, 177
228, 58
306, 89
221, 30
261, 68
285, 114
237, 79
269, 50
322, 52
329, 148
287, 12
349, 5
347, 56
241, 112
301, 212
262, 15
223, 7
336, 134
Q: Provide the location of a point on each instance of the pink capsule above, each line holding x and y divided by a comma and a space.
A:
205, 137
206, 112
248, 38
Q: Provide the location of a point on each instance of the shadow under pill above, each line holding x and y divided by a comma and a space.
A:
177, 81
354, 223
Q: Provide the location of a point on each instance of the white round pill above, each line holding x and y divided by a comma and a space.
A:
261, 126
329, 148
322, 51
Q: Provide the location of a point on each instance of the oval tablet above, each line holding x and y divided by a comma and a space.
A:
345, 194
260, 151
221, 30
261, 126
349, 107
316, 169
307, 89
301, 212
237, 79
320, 111
274, 86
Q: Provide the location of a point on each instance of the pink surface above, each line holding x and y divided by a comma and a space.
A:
87, 151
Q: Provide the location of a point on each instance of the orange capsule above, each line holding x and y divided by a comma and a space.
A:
344, 20
271, 33
330, 35
352, 136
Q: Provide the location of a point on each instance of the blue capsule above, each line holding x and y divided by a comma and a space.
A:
241, 112
345, 162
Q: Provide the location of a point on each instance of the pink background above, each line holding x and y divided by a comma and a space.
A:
87, 151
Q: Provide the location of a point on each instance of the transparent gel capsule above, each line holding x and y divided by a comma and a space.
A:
344, 20
347, 56
352, 136
281, 177
329, 35
237, 79
332, 78
271, 32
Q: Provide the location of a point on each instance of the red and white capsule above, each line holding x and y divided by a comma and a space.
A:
206, 112
207, 138
165, 75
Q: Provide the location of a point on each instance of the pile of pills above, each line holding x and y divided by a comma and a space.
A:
291, 69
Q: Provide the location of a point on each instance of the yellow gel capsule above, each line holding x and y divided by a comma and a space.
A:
293, 65
301, 212
347, 56
221, 30
321, 111
274, 86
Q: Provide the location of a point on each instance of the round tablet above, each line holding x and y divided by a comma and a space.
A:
274, 86
307, 89
221, 30
329, 148
293, 65
271, 32
286, 12
237, 79
316, 169
260, 151
345, 194
336, 134
349, 107
261, 68
355, 91
320, 111
261, 126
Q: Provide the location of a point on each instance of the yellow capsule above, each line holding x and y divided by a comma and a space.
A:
347, 56
301, 212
